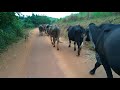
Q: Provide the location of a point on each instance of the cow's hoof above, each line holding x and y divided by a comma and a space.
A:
58, 49
92, 72
69, 46
53, 46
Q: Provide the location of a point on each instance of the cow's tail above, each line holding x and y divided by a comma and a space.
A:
79, 37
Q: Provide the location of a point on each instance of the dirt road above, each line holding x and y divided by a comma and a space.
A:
36, 58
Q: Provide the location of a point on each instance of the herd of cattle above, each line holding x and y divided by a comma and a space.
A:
105, 39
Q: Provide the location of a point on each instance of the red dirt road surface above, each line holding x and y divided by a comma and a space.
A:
36, 58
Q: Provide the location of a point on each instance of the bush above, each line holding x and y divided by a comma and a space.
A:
10, 29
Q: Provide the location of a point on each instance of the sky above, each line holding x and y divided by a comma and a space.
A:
50, 14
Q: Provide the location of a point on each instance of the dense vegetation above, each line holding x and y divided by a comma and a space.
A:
13, 26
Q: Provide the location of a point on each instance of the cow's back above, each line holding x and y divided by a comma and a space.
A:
75, 33
55, 31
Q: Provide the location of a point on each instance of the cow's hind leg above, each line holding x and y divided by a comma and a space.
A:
57, 43
69, 43
74, 46
97, 64
54, 41
51, 40
79, 48
106, 67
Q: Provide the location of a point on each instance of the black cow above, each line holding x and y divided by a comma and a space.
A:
54, 32
48, 27
106, 41
41, 30
75, 33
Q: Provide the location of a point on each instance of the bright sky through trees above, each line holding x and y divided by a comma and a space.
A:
50, 14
